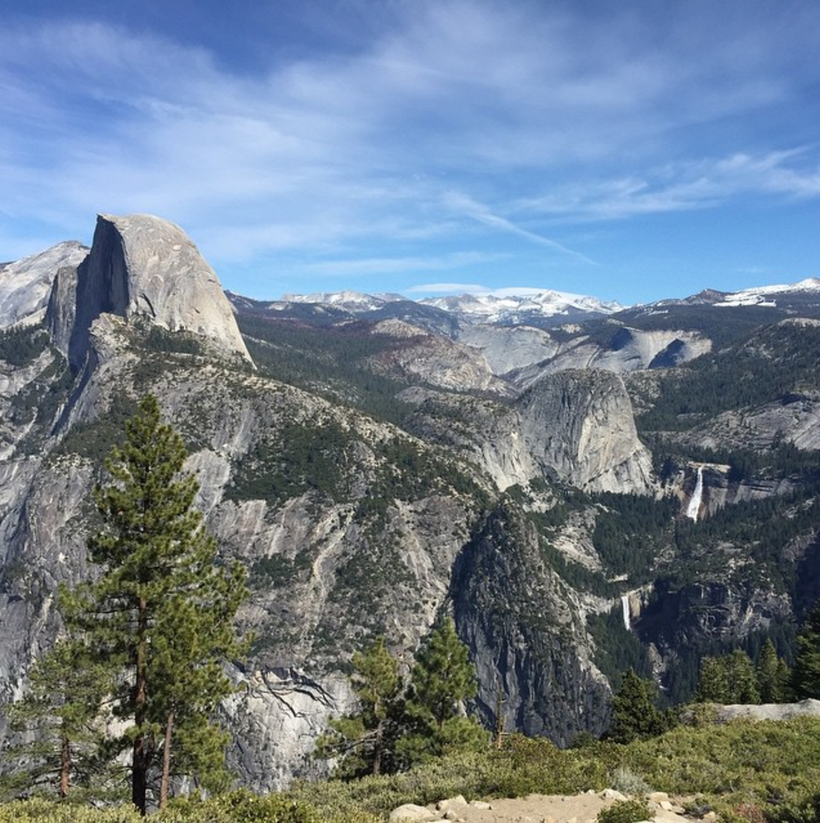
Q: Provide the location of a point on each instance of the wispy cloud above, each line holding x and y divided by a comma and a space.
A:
462, 204
398, 265
680, 187
453, 125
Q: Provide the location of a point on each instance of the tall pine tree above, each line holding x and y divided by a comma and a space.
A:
163, 607
443, 678
634, 713
773, 675
364, 740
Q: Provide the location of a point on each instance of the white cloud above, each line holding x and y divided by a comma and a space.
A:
678, 187
480, 110
462, 204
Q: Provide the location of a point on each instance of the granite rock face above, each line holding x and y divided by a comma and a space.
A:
580, 428
25, 285
141, 266
526, 633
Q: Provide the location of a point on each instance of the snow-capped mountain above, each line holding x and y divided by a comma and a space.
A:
767, 295
515, 307
351, 301
500, 307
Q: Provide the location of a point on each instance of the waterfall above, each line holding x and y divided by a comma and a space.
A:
694, 504
625, 609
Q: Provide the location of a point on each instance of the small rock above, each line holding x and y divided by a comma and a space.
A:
548, 819
710, 816
611, 794
451, 802
657, 797
451, 814
481, 805
666, 806
410, 811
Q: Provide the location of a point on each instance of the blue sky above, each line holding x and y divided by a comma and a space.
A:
629, 150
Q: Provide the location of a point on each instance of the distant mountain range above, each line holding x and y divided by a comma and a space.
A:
544, 307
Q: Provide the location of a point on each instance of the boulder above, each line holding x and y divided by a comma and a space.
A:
410, 811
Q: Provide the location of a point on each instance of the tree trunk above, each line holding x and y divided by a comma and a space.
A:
377, 748
166, 762
140, 754
65, 765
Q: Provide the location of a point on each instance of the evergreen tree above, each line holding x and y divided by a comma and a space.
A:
713, 683
162, 609
730, 678
61, 717
365, 740
742, 678
634, 713
806, 671
773, 675
442, 679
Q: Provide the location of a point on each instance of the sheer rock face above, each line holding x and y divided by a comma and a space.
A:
25, 285
579, 427
141, 266
527, 636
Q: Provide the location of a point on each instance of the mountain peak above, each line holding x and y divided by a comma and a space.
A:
141, 266
25, 285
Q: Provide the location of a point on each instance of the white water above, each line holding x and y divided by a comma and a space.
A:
625, 609
694, 504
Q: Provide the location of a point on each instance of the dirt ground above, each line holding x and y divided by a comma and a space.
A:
539, 808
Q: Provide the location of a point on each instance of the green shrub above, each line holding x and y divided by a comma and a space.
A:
38, 810
625, 811
627, 781
242, 806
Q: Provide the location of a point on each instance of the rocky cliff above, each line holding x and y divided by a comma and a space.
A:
25, 286
141, 266
579, 426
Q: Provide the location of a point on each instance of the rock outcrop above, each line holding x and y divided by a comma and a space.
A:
768, 711
526, 635
141, 266
579, 427
25, 285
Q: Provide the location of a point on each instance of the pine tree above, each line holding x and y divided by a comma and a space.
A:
162, 609
365, 739
730, 678
773, 675
61, 715
713, 683
634, 713
806, 671
442, 679
742, 678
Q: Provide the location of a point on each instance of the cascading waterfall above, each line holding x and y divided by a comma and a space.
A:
694, 504
625, 609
